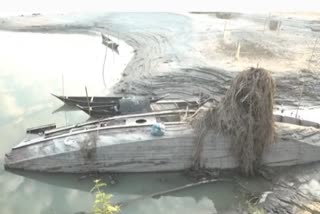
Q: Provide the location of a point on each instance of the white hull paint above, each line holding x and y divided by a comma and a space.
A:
137, 151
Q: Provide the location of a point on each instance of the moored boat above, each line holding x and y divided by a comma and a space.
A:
125, 143
91, 100
100, 107
98, 146
109, 43
129, 106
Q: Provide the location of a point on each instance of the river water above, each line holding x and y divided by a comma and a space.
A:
32, 66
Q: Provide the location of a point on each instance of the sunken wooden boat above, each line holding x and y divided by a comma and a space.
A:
125, 144
117, 144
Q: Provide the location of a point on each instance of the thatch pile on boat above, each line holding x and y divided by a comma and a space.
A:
246, 115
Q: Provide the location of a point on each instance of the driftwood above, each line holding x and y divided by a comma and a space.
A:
176, 189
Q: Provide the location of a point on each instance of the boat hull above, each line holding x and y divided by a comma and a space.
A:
136, 150
111, 151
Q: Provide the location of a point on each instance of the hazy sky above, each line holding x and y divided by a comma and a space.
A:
19, 6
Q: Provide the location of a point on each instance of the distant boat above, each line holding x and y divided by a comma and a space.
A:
109, 43
99, 107
105, 38
131, 106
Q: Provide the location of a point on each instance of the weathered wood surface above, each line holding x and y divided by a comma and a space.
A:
295, 121
136, 150
295, 145
67, 128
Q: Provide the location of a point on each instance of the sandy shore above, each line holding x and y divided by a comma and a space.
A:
186, 55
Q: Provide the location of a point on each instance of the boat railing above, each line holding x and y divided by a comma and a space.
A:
47, 133
87, 131
40, 129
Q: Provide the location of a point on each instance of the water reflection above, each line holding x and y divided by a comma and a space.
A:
208, 198
171, 204
65, 108
9, 105
21, 195
31, 68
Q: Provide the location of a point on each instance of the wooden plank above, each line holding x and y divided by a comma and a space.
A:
43, 128
121, 117
97, 129
173, 151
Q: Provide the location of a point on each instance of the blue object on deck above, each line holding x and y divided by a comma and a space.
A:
157, 129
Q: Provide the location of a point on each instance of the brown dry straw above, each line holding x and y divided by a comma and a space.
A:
246, 115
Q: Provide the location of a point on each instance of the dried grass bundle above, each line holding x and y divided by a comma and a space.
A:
246, 115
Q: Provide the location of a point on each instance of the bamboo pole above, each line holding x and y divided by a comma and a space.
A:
65, 113
313, 49
62, 78
224, 30
279, 27
266, 21
104, 63
88, 100
158, 194
237, 56
118, 37
303, 81
112, 48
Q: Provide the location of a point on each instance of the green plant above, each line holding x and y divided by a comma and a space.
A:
254, 209
102, 204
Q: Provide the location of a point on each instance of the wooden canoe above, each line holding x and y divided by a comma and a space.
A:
93, 101
100, 107
124, 144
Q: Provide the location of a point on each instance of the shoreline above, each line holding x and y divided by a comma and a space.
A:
180, 53
176, 57
171, 56
162, 64
115, 64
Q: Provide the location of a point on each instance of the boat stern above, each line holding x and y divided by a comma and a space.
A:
8, 163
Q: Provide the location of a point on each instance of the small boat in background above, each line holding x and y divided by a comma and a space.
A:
85, 101
134, 106
109, 43
99, 107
